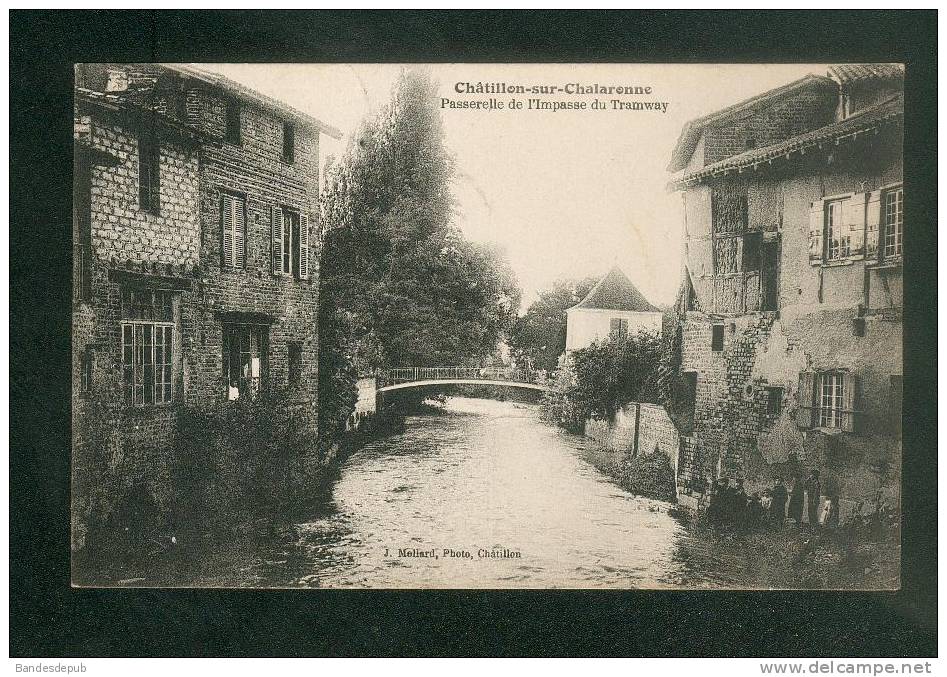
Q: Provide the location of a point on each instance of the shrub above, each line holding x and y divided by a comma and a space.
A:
243, 460
597, 380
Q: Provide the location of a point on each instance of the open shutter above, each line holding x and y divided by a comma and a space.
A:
239, 233
303, 245
849, 403
226, 228
805, 412
855, 223
872, 224
276, 230
816, 228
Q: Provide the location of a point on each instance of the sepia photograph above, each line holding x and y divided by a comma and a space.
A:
492, 326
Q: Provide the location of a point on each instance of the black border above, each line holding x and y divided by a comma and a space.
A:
48, 618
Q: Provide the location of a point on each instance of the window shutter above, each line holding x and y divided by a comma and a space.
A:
855, 223
805, 412
239, 233
276, 229
849, 402
226, 228
872, 224
816, 229
303, 245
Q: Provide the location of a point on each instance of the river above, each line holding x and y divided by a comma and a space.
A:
482, 495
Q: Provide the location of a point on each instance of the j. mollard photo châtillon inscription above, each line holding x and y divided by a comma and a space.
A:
487, 326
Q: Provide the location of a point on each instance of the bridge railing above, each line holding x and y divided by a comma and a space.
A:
397, 375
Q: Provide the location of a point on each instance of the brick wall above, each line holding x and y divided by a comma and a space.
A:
789, 116
255, 170
115, 446
121, 231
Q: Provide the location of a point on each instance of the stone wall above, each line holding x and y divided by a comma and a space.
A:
637, 429
737, 431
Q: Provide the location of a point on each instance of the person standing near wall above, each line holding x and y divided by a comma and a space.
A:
813, 494
777, 506
796, 499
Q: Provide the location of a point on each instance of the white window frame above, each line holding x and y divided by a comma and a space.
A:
831, 393
897, 246
159, 396
842, 251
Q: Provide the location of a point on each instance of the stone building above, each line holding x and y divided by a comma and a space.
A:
790, 312
613, 307
195, 271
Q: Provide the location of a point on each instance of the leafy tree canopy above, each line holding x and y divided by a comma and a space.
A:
399, 284
539, 336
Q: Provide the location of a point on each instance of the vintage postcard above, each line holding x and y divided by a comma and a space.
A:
487, 325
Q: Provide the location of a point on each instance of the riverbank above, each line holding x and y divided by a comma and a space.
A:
859, 556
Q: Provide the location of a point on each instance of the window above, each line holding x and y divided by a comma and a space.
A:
149, 174
289, 143
232, 131
147, 346
752, 243
892, 223
295, 359
774, 401
618, 329
233, 219
838, 228
830, 392
837, 234
750, 143
244, 359
290, 243
716, 338
827, 400
86, 367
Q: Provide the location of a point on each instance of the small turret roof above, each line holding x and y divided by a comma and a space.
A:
616, 292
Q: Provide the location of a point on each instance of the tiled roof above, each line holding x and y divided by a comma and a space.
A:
616, 292
245, 92
847, 73
860, 122
690, 135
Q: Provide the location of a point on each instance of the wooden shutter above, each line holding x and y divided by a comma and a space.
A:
872, 224
239, 233
276, 229
854, 211
849, 402
303, 245
226, 228
805, 412
816, 229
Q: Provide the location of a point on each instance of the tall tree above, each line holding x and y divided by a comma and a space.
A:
399, 283
539, 336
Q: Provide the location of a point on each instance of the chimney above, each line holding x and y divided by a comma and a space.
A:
117, 80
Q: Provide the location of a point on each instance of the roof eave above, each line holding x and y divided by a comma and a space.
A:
248, 94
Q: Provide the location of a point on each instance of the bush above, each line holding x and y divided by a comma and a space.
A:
597, 380
243, 460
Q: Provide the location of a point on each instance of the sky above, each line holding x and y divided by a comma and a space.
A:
565, 193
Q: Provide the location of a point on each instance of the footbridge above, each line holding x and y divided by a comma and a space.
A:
401, 378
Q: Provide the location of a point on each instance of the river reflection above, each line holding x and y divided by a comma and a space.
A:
482, 477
